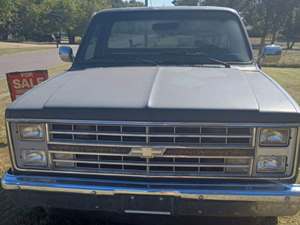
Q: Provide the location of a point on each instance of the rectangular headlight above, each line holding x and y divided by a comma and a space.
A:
274, 137
34, 158
31, 131
271, 164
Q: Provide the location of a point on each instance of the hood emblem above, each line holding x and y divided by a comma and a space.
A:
147, 152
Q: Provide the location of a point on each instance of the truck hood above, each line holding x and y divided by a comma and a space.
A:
159, 88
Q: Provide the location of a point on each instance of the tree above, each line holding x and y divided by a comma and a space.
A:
291, 31
6, 17
185, 2
270, 17
267, 17
85, 10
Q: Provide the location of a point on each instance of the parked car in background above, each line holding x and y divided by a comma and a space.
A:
164, 112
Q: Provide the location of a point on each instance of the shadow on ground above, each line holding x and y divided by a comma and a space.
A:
41, 217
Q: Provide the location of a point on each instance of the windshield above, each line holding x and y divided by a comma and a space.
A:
170, 38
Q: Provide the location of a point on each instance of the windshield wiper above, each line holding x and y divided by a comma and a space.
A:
200, 54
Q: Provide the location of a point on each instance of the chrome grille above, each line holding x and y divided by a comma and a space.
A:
188, 150
151, 135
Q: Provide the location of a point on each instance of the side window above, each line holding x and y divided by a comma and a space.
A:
91, 48
92, 44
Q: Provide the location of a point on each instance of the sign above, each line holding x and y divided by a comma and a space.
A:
20, 82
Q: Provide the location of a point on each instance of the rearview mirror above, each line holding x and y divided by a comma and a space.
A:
165, 27
271, 54
66, 54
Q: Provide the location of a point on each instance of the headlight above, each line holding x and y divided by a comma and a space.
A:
34, 158
31, 131
274, 137
273, 164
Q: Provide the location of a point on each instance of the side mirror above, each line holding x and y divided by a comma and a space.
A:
66, 54
271, 54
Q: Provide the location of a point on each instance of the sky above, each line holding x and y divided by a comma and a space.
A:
160, 3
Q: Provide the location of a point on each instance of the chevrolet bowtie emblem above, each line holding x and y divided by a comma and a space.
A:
147, 152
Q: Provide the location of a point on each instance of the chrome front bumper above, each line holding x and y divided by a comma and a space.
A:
267, 196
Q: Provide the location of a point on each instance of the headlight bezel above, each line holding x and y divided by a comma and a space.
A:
276, 145
22, 126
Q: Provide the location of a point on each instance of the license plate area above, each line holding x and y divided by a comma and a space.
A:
155, 205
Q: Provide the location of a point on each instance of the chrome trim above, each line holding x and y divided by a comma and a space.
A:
280, 193
260, 125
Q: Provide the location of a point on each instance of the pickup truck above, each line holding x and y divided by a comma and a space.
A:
164, 112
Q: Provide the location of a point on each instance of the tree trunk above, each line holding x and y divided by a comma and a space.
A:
71, 39
262, 45
274, 35
292, 44
288, 44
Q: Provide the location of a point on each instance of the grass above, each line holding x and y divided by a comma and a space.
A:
9, 51
7, 48
288, 78
290, 58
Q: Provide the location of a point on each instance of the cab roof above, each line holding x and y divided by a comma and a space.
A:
170, 8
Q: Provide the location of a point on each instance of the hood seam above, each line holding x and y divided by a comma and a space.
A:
152, 88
